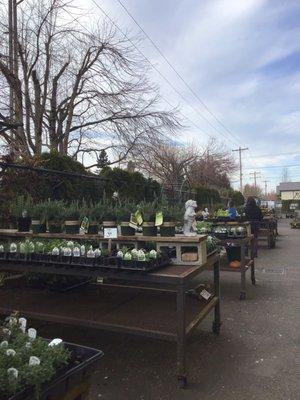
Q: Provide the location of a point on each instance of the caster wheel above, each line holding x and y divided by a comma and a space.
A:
216, 328
182, 382
243, 296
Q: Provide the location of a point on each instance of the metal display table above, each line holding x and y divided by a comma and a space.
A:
119, 302
246, 262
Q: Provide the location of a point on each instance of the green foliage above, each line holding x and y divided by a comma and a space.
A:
148, 210
51, 358
38, 212
130, 185
96, 212
172, 213
73, 211
55, 211
20, 204
124, 211
206, 197
103, 160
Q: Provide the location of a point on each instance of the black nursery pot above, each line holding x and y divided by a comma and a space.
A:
149, 229
72, 227
37, 226
24, 224
167, 229
55, 228
127, 230
73, 377
93, 228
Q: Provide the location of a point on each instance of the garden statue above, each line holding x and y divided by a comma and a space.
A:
189, 219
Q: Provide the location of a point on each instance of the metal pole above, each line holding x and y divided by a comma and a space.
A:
10, 57
240, 165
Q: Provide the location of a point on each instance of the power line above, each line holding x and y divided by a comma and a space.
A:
255, 175
277, 166
160, 73
175, 70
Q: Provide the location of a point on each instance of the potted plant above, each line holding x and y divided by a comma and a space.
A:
38, 215
171, 216
149, 213
72, 218
95, 215
20, 210
55, 212
33, 368
123, 214
109, 217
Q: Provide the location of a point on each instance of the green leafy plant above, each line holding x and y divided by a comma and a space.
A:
96, 212
148, 211
109, 213
17, 368
20, 204
38, 212
55, 211
124, 211
73, 211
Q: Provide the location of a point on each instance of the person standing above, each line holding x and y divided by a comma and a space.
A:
232, 212
254, 216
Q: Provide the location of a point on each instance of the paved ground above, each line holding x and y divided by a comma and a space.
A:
256, 355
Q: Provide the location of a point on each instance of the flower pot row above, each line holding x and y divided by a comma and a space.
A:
83, 262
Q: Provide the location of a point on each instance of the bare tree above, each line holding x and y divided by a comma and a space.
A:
213, 166
80, 90
252, 190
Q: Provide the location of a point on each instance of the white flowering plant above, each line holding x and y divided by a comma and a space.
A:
27, 360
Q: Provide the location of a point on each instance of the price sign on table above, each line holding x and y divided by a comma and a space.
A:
110, 233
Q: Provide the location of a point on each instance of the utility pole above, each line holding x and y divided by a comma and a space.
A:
240, 163
255, 175
266, 191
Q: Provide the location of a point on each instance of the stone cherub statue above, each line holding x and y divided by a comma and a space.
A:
189, 219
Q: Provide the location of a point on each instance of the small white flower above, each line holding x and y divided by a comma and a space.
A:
97, 252
90, 253
13, 248
6, 331
27, 345
76, 252
55, 342
13, 373
55, 251
33, 360
67, 252
22, 324
153, 254
70, 244
4, 344
10, 352
82, 250
120, 254
1, 248
32, 333
12, 321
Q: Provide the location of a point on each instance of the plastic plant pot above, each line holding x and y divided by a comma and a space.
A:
37, 226
149, 229
24, 224
93, 228
127, 230
55, 228
72, 227
167, 229
109, 224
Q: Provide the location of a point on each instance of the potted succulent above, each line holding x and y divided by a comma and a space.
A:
95, 215
171, 216
149, 214
123, 214
20, 210
72, 218
38, 215
33, 368
55, 212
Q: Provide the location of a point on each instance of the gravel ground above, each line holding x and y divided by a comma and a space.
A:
256, 355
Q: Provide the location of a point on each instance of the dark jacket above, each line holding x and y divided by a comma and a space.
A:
254, 216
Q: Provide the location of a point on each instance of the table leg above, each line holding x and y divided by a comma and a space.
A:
181, 339
217, 311
252, 265
243, 273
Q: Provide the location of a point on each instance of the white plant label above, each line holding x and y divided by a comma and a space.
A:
205, 294
110, 233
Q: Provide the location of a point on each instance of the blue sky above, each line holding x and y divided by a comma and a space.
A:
242, 58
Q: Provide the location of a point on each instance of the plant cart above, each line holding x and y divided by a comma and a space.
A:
246, 262
268, 231
128, 302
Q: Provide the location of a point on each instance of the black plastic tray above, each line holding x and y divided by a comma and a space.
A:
69, 377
